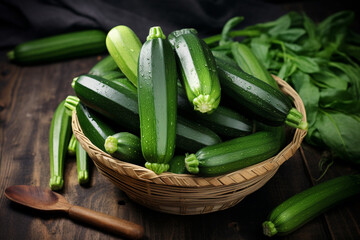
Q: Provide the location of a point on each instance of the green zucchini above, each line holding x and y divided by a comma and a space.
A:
264, 102
198, 70
310, 203
233, 154
72, 146
109, 99
59, 47
157, 83
97, 93
124, 83
224, 121
177, 165
248, 62
104, 66
94, 126
125, 146
60, 134
82, 166
124, 47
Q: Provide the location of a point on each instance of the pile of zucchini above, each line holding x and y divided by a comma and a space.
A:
154, 103
172, 104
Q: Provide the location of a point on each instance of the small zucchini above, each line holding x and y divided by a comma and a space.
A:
198, 70
72, 146
124, 47
233, 154
82, 165
60, 134
157, 84
125, 146
81, 156
310, 203
121, 107
262, 101
59, 47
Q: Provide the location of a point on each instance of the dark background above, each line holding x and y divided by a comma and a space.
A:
29, 19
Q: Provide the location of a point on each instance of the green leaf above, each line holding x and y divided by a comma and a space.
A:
341, 133
339, 100
306, 64
308, 93
282, 24
230, 24
326, 78
291, 35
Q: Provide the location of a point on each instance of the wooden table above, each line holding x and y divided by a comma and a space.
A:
28, 98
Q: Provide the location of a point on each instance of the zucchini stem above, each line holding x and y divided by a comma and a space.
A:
72, 145
269, 228
83, 176
294, 119
56, 183
111, 144
70, 104
204, 103
192, 163
157, 167
11, 55
155, 32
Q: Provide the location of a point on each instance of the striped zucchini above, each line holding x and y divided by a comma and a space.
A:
233, 154
125, 146
157, 83
124, 47
310, 203
60, 134
264, 102
198, 70
59, 47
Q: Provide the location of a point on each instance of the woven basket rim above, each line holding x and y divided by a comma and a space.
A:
241, 176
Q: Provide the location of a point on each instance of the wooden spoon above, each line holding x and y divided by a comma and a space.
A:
47, 200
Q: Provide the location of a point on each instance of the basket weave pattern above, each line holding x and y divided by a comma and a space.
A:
187, 194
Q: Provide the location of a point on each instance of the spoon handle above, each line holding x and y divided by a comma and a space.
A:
106, 222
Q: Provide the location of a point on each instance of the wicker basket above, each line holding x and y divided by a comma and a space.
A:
186, 194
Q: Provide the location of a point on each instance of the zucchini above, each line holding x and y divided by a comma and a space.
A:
124, 47
177, 164
60, 134
80, 154
124, 83
223, 121
96, 93
72, 146
109, 99
82, 166
59, 47
198, 70
264, 102
248, 62
105, 65
125, 146
233, 154
157, 83
95, 128
310, 203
